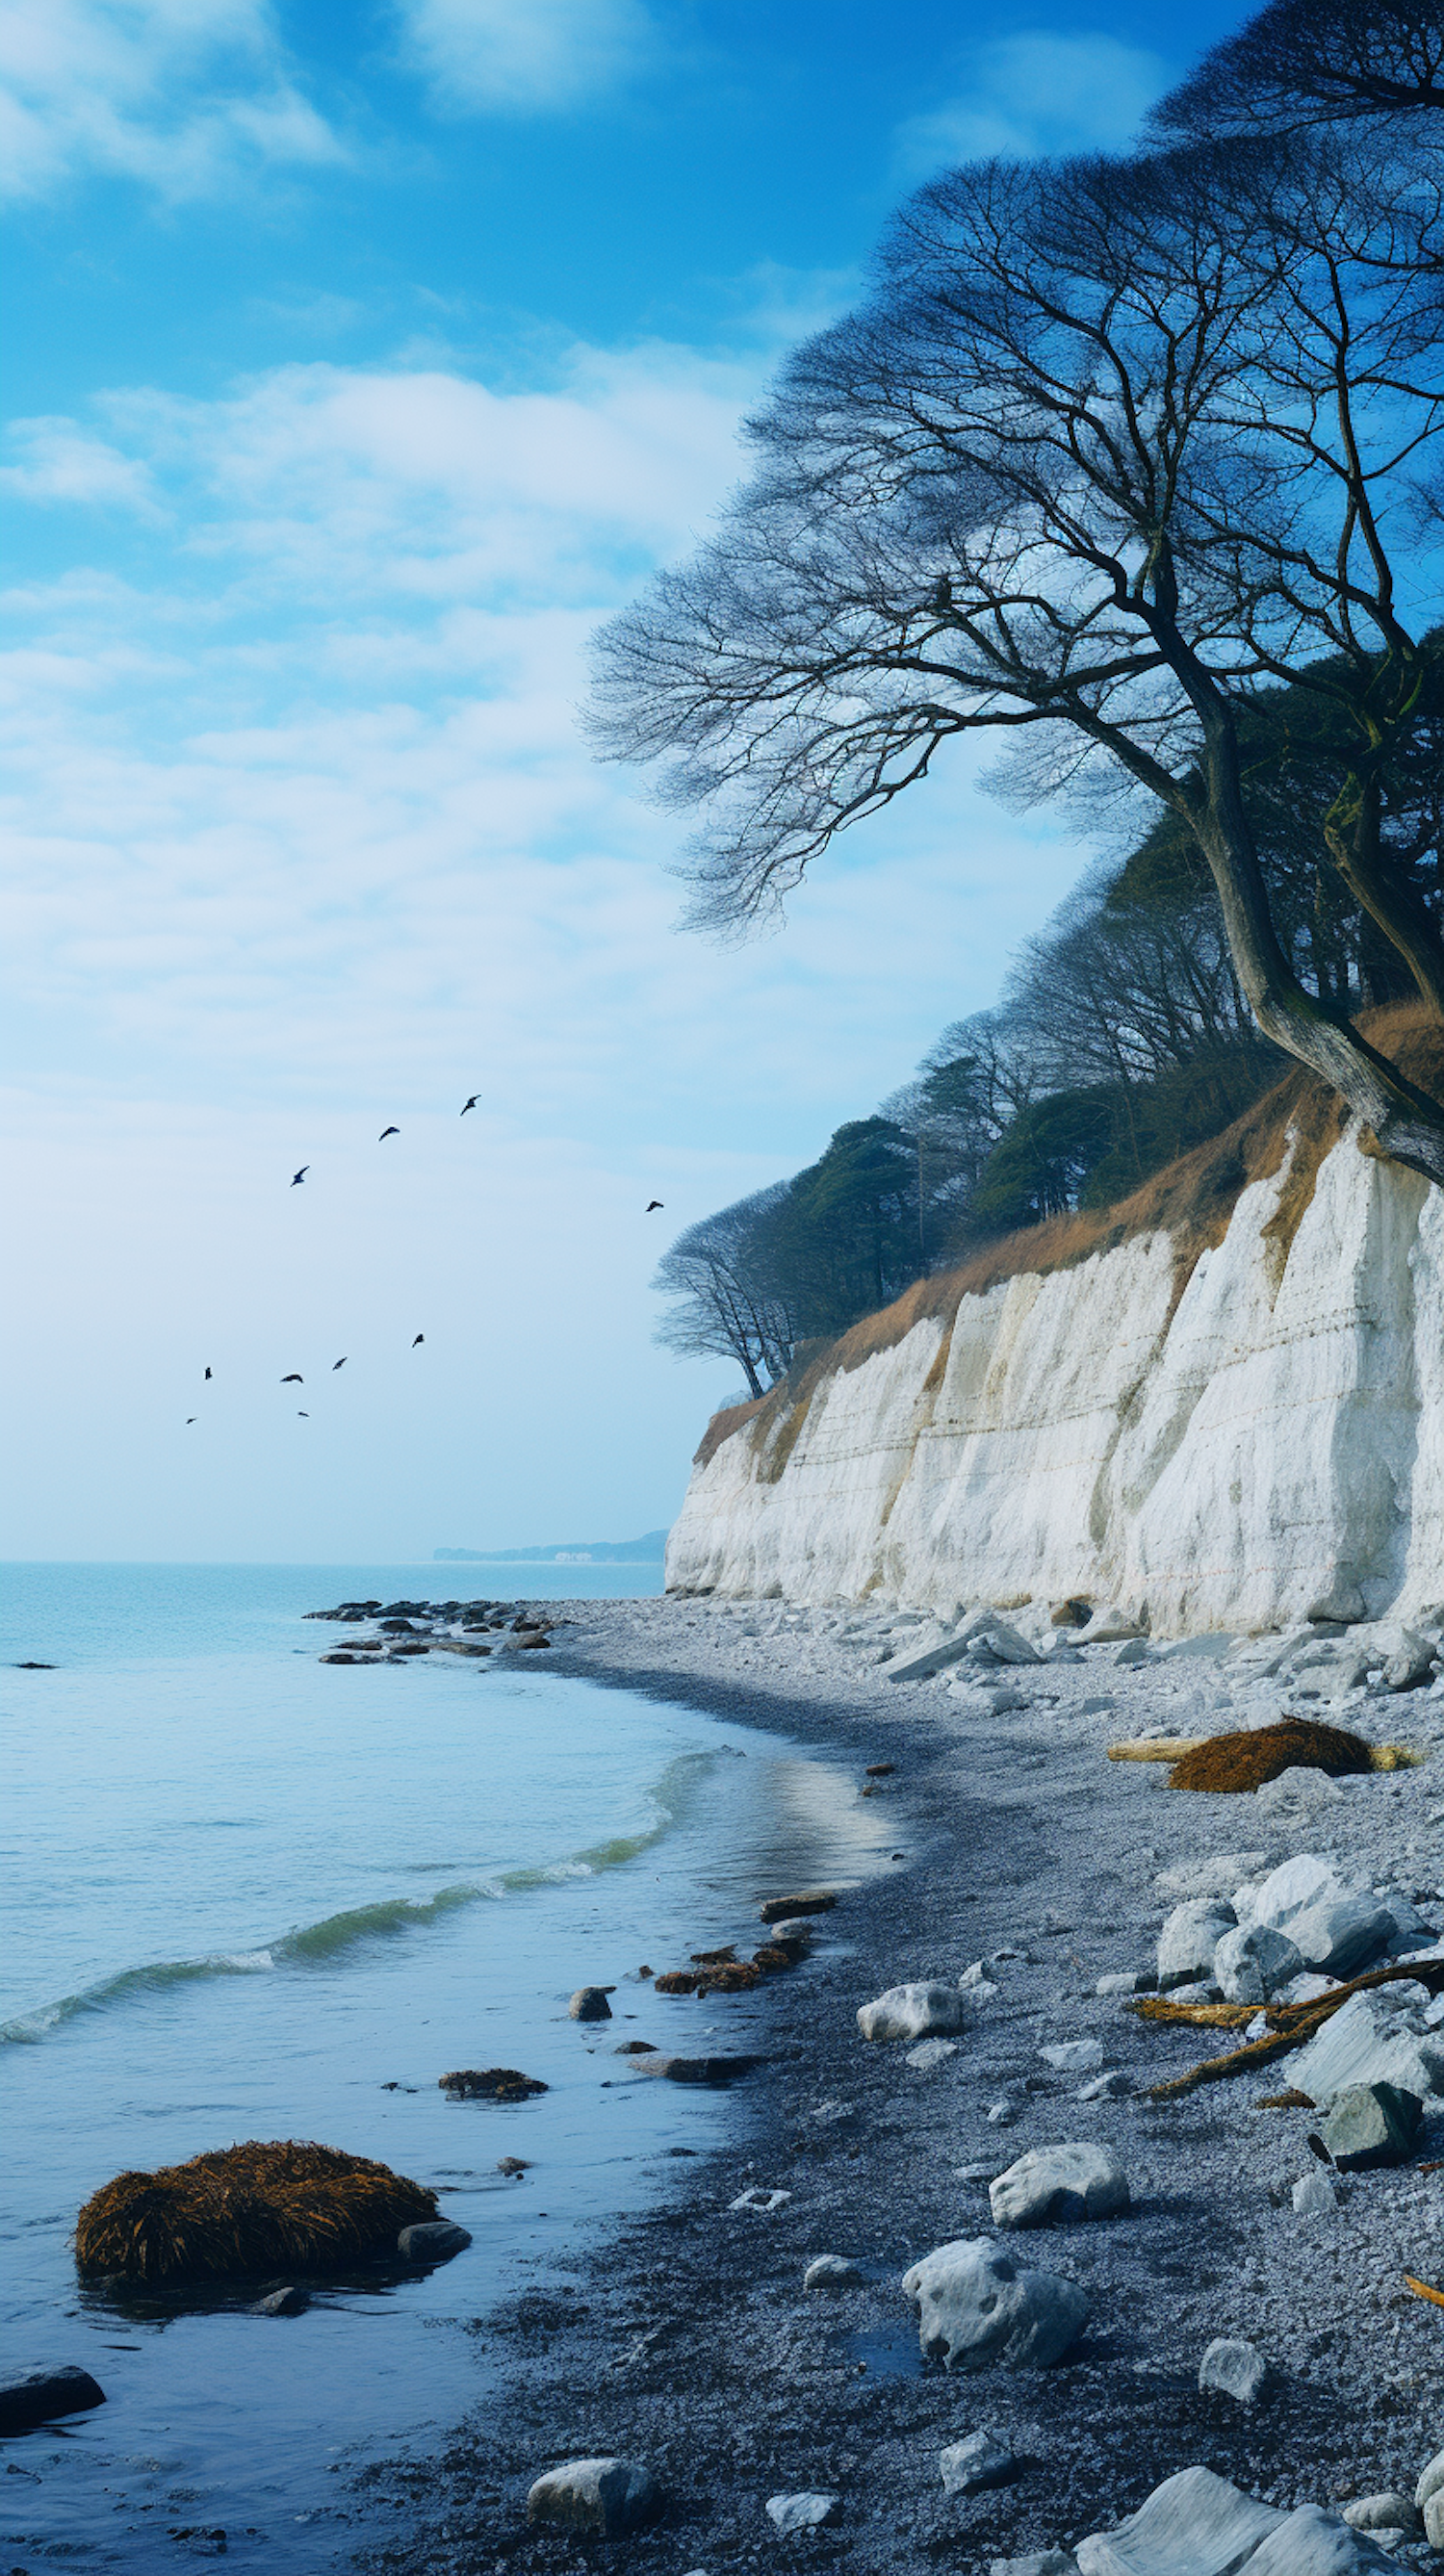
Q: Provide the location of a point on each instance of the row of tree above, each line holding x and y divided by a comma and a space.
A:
1123, 1038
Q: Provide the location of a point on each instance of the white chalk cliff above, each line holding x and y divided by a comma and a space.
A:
1270, 1445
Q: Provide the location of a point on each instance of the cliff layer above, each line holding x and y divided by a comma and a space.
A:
1228, 1436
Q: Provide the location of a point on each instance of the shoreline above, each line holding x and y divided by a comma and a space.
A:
684, 2339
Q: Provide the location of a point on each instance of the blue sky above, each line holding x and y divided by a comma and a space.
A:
359, 361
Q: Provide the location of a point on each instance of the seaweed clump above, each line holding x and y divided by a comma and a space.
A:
1234, 1764
244, 2211
490, 2084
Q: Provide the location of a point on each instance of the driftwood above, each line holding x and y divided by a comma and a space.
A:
1290, 2024
1422, 2290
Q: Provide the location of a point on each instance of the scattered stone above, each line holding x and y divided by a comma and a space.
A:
1002, 2113
1107, 2088
283, 2303
930, 2053
1434, 2521
911, 2012
832, 2272
1252, 1961
1232, 2368
38, 2396
1127, 1981
976, 2305
512, 2165
1197, 2524
1039, 2562
981, 2460
694, 2070
1431, 2482
757, 2197
431, 2240
1073, 2056
1365, 2043
812, 1900
1411, 1663
597, 2498
1371, 2124
1389, 2512
801, 2512
1189, 1939
589, 2003
1063, 2184
1315, 2193
490, 2084
975, 1980
1219, 1876
1341, 1935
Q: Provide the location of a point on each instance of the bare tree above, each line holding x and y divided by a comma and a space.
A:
1114, 446
1300, 61
724, 1303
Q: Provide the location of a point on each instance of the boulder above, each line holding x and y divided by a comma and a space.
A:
431, 2240
589, 2003
38, 2396
832, 2272
801, 2512
1232, 2368
1342, 1934
1189, 1939
1039, 2562
1296, 1884
980, 2460
1434, 2521
1371, 2124
1253, 1961
1053, 2184
693, 2070
1364, 2042
911, 2012
1311, 2541
1431, 2482
1411, 1662
811, 1900
1388, 2512
976, 2305
598, 2499
1197, 2524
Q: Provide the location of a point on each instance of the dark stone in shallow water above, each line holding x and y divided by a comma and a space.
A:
40, 2395
811, 1900
282, 2303
431, 2240
696, 2070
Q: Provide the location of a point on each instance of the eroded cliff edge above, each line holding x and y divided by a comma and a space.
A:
1228, 1433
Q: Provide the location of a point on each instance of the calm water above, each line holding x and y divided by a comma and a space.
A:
244, 1895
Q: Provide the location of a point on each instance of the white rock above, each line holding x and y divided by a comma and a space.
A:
911, 2012
1431, 2481
976, 1975
598, 2497
1434, 2521
801, 2512
1315, 2192
758, 2198
1364, 2043
930, 2053
1308, 1879
1126, 1981
1107, 2088
1253, 1961
1310, 2541
1215, 1876
1341, 1935
1231, 2368
832, 2272
1297, 1792
1189, 1939
1073, 2056
1194, 2524
1059, 2184
981, 2460
1039, 2562
1388, 2512
976, 2305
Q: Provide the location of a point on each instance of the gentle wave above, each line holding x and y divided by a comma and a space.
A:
327, 1941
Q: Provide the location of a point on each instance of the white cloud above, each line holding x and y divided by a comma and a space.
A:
525, 57
183, 96
1034, 93
61, 462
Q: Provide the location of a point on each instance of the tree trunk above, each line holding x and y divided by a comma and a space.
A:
1351, 828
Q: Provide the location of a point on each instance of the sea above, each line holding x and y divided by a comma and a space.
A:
250, 1895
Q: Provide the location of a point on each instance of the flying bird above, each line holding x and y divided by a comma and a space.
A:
652, 1203
385, 1132
471, 1103
298, 1177
301, 1414
335, 1364
190, 1417
208, 1372
419, 1338
295, 1379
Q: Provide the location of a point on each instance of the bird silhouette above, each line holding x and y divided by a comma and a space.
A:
295, 1379
471, 1103
385, 1132
208, 1372
419, 1338
335, 1364
190, 1417
298, 1177
301, 1414
652, 1203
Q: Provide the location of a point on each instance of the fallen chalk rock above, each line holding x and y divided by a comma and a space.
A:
1252, 1961
589, 2003
1039, 2562
911, 2012
1371, 2124
1431, 2482
1315, 2193
1232, 2368
434, 2240
1389, 2512
1073, 2056
801, 2512
813, 1900
282, 2303
1189, 1938
1197, 2524
38, 2396
1106, 2088
982, 2460
1434, 2521
930, 2053
1050, 2185
832, 2272
596, 2498
1364, 2042
976, 2305
1343, 1934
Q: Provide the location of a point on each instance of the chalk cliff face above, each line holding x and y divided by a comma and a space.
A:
1269, 1444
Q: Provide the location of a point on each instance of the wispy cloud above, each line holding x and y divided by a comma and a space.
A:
525, 57
1033, 93
57, 460
183, 96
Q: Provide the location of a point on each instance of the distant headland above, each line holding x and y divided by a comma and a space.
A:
598, 1551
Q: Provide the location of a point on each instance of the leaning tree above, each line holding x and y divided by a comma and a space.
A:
1114, 447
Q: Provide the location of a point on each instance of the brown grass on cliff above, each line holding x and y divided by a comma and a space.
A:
246, 2211
1192, 1200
